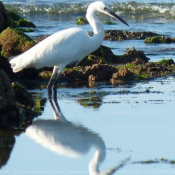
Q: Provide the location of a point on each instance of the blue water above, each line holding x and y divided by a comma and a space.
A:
139, 126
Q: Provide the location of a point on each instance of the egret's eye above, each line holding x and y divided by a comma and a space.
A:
105, 8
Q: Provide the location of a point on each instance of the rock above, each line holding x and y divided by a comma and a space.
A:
4, 17
7, 142
22, 96
81, 21
104, 55
11, 19
4, 65
8, 107
120, 35
131, 55
73, 74
6, 93
159, 39
15, 104
25, 23
14, 42
100, 56
99, 72
122, 75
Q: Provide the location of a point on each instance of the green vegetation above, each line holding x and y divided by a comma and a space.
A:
14, 42
39, 103
25, 23
22, 96
159, 39
26, 30
18, 21
110, 23
94, 102
167, 62
81, 21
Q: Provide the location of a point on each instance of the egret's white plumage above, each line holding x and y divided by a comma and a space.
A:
50, 52
67, 46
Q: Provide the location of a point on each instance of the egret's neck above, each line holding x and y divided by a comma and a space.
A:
95, 23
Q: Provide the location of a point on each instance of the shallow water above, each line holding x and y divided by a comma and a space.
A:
132, 124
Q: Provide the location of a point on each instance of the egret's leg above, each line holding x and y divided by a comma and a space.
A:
54, 73
61, 67
55, 86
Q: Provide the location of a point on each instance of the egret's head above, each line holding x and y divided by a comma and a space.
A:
104, 8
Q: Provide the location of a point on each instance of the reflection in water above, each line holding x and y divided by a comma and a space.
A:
69, 139
7, 136
7, 142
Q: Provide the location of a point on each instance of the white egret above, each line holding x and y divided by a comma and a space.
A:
66, 46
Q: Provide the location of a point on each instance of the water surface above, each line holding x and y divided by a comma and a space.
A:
133, 123
130, 125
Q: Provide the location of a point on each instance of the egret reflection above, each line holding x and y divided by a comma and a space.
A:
69, 139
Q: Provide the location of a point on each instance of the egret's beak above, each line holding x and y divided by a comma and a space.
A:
111, 13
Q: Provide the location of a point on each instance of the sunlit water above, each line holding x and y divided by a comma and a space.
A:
136, 124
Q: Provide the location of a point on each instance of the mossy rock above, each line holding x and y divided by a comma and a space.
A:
132, 55
14, 42
99, 72
94, 102
16, 21
75, 74
11, 19
120, 35
159, 39
26, 30
145, 71
81, 21
110, 23
22, 96
167, 62
123, 74
14, 16
100, 56
25, 23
